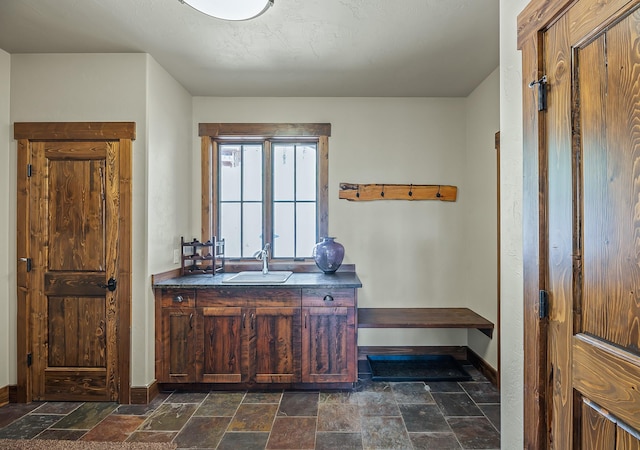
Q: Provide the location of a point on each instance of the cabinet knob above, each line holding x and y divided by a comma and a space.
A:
178, 299
328, 298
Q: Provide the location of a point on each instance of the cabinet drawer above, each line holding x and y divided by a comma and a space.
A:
249, 297
328, 297
178, 298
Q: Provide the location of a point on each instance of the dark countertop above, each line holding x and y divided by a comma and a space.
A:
296, 280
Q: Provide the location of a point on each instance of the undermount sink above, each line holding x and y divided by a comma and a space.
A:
257, 277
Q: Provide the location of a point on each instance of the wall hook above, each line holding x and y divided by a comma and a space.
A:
438, 194
411, 190
382, 193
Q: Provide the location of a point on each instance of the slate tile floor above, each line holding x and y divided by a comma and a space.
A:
375, 415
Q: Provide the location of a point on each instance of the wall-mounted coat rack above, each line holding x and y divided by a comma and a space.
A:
365, 192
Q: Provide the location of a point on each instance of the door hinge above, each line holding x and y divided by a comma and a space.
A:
29, 359
29, 170
543, 308
542, 92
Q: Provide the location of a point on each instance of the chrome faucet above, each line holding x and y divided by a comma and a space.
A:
264, 256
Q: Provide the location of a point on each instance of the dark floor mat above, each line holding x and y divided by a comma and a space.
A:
416, 368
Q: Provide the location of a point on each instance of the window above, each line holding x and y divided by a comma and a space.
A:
265, 184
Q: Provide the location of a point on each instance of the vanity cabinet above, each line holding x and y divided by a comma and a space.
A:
259, 335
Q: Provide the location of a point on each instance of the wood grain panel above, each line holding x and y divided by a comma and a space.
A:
627, 439
208, 204
608, 376
597, 225
264, 130
84, 283
277, 359
222, 340
538, 15
327, 352
323, 186
623, 158
598, 432
85, 150
125, 212
588, 18
76, 229
75, 385
77, 332
74, 130
179, 331
560, 228
328, 297
249, 297
534, 251
38, 199
423, 318
23, 298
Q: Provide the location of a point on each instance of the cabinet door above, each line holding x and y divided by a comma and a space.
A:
328, 345
275, 344
222, 352
178, 339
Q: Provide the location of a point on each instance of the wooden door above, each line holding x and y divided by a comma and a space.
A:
76, 210
590, 216
328, 344
275, 344
222, 345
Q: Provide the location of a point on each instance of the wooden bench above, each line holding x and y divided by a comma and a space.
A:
423, 318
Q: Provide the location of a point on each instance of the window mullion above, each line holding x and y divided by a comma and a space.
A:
267, 195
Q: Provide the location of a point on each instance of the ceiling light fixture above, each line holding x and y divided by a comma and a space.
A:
230, 9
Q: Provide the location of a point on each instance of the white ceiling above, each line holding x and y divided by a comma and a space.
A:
325, 48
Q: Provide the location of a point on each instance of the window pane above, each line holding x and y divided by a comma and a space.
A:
283, 172
283, 230
251, 229
306, 172
252, 176
230, 172
306, 229
230, 229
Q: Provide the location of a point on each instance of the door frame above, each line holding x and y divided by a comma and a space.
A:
533, 21
125, 133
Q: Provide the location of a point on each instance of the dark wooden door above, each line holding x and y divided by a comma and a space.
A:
179, 344
222, 345
275, 344
592, 137
78, 280
328, 344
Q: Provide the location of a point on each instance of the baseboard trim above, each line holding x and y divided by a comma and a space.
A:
489, 372
13, 393
461, 353
4, 396
142, 395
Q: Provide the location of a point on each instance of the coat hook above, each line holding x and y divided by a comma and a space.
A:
382, 193
411, 190
358, 193
438, 194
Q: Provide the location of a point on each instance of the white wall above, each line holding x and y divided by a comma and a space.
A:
479, 201
169, 197
87, 87
406, 253
7, 228
511, 226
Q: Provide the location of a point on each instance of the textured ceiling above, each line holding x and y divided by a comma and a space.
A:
327, 48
